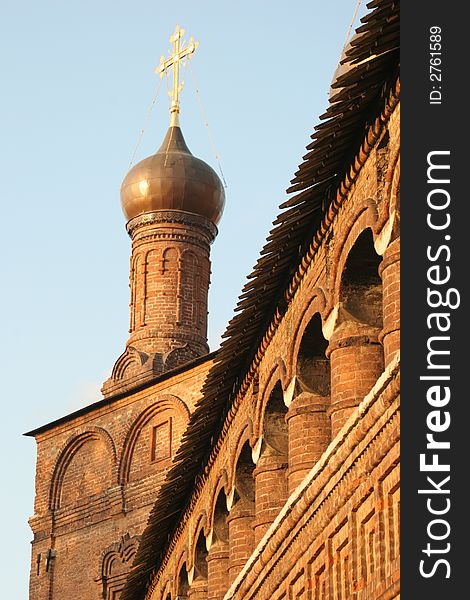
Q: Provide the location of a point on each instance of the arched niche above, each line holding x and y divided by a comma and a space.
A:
244, 485
170, 257
355, 351
115, 565
308, 422
84, 469
136, 290
275, 434
153, 439
218, 545
361, 285
200, 560
219, 520
271, 467
313, 367
182, 583
242, 512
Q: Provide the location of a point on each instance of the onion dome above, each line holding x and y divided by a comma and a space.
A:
173, 179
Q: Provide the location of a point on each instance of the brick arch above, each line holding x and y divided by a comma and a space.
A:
181, 562
278, 373
365, 219
186, 253
69, 451
243, 437
167, 258
163, 403
129, 359
315, 303
221, 483
388, 226
165, 592
121, 554
200, 525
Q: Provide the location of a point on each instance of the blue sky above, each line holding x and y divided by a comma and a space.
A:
77, 83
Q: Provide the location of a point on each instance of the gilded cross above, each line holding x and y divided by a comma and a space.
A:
180, 51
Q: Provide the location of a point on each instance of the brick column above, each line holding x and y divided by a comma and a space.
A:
356, 359
309, 434
389, 270
217, 570
270, 490
241, 536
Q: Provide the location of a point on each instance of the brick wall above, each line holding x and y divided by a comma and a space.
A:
97, 476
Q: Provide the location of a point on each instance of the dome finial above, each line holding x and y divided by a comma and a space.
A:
180, 52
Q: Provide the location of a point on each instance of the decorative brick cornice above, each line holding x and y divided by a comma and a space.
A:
202, 241
172, 216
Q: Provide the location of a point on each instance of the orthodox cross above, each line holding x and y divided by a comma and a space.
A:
180, 51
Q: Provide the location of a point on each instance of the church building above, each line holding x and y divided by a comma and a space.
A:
268, 469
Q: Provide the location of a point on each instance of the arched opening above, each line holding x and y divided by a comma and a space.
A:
240, 519
313, 367
244, 483
200, 558
217, 557
355, 351
361, 285
270, 472
183, 584
275, 433
307, 418
220, 519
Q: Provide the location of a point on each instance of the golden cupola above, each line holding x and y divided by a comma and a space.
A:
173, 179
